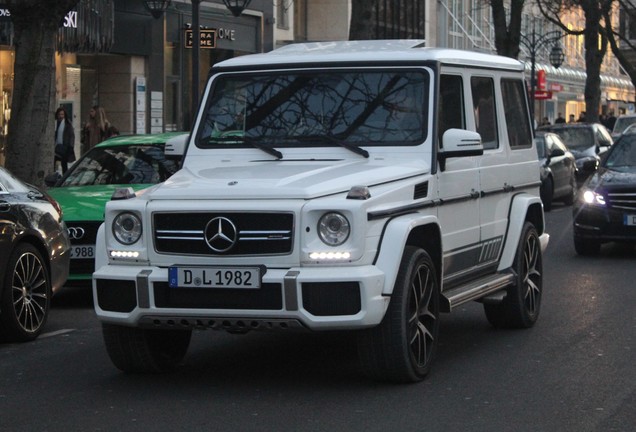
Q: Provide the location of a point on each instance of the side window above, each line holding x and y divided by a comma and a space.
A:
451, 104
483, 91
517, 119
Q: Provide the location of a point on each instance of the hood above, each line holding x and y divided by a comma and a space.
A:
85, 203
285, 179
613, 179
580, 154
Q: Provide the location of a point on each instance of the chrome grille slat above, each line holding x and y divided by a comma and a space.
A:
624, 200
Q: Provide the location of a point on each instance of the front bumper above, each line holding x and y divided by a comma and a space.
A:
603, 224
326, 298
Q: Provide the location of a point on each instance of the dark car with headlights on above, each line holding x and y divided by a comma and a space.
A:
557, 168
605, 210
136, 161
34, 257
587, 142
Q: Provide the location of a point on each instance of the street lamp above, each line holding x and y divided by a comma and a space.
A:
156, 7
236, 6
533, 43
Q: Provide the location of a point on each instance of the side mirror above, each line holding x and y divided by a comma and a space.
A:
175, 147
557, 152
459, 143
52, 179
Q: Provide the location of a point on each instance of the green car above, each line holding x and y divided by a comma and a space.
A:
136, 161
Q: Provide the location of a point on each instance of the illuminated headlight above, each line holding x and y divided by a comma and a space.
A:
333, 229
127, 228
591, 197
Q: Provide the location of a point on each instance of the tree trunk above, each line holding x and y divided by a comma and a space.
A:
30, 143
594, 53
507, 35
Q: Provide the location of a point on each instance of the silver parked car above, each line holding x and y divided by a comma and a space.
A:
557, 166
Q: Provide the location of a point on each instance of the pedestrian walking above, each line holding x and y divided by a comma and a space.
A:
64, 140
96, 129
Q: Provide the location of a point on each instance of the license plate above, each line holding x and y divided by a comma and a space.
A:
82, 251
629, 220
215, 277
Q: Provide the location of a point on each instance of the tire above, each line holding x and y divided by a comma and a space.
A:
522, 304
402, 347
547, 191
136, 350
26, 295
569, 198
587, 247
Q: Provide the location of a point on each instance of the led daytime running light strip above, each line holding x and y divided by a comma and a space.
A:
124, 254
330, 255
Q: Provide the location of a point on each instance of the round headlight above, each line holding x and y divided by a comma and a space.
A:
127, 228
333, 229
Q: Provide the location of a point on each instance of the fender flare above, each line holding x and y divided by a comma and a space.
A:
394, 239
516, 219
101, 255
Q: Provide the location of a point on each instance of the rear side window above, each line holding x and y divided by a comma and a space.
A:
517, 120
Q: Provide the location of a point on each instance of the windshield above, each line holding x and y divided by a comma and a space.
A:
283, 109
622, 156
576, 138
622, 123
131, 164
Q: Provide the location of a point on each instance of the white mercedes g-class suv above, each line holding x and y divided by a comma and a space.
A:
366, 185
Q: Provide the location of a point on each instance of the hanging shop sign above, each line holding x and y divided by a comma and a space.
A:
70, 19
542, 95
207, 36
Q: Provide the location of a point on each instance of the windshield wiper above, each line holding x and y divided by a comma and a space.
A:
251, 141
332, 139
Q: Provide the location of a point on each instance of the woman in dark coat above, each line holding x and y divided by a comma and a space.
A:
64, 140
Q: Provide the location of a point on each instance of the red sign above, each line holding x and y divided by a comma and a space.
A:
542, 94
556, 87
541, 84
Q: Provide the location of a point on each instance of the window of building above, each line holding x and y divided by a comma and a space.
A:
282, 13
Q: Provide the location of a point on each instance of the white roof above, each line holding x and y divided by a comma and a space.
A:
371, 51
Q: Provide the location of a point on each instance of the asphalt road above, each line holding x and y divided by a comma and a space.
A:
574, 371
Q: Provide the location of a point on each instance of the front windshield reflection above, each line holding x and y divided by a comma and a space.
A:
359, 107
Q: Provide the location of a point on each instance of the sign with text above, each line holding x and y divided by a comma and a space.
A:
207, 37
542, 94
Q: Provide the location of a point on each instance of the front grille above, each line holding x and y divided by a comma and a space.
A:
624, 199
226, 234
268, 297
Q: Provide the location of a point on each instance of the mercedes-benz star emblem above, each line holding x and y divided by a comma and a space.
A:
220, 234
75, 233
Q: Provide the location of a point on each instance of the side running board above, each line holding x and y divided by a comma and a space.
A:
474, 290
